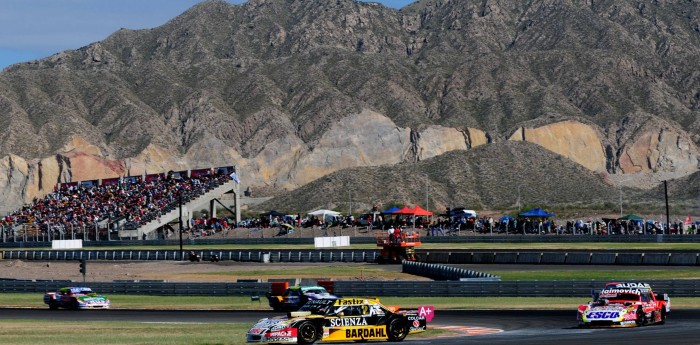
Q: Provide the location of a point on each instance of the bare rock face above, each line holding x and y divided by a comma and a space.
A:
364, 139
436, 140
571, 139
660, 150
278, 88
14, 181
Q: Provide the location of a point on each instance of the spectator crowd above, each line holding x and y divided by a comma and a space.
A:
128, 200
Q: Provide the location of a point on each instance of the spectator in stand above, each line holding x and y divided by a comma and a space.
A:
71, 207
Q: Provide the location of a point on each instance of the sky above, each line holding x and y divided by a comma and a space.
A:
34, 29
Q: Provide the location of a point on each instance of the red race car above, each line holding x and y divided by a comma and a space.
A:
624, 305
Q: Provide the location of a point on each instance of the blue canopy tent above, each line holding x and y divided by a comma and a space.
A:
391, 210
506, 219
536, 213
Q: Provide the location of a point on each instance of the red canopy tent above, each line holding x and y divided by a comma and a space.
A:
405, 211
419, 211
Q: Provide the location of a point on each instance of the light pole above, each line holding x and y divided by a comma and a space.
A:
427, 206
620, 201
518, 198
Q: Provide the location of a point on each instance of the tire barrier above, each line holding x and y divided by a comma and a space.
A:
518, 288
442, 272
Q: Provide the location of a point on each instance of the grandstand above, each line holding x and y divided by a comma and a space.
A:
128, 207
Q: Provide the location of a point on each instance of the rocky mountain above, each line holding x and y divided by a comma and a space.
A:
291, 91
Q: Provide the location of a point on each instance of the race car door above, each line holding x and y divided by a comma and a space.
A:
354, 322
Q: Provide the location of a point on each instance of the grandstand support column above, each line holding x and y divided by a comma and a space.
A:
212, 208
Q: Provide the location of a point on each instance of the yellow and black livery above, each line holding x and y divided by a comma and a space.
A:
345, 319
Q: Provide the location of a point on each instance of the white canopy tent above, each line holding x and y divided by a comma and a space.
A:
324, 214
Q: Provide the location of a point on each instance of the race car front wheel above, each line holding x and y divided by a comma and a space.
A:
641, 317
307, 333
397, 330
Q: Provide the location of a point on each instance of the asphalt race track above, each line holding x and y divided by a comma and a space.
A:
519, 327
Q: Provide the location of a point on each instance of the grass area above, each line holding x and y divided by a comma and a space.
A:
331, 271
34, 300
98, 332
378, 272
602, 274
67, 332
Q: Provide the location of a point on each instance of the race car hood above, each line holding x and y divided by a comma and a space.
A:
270, 324
92, 300
614, 313
273, 330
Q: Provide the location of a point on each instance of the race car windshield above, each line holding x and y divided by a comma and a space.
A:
317, 307
623, 297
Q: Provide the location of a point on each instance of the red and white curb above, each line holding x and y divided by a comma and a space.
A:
467, 331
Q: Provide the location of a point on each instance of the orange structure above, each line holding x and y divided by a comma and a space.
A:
398, 246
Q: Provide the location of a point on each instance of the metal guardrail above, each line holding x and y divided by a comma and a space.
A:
676, 258
206, 255
520, 288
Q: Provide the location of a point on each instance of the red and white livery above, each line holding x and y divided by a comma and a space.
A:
625, 305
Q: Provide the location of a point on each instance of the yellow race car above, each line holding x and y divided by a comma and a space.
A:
345, 319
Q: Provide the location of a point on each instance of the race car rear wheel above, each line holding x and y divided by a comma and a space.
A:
53, 305
397, 330
663, 316
75, 305
307, 333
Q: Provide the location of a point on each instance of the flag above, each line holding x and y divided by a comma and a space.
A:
688, 221
235, 177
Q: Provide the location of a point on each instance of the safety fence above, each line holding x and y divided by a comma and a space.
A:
371, 239
675, 258
519, 288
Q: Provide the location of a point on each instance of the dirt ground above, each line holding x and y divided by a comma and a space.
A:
174, 271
